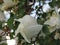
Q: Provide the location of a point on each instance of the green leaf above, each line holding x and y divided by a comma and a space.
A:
0, 38
54, 3
0, 25
10, 23
19, 36
3, 44
16, 25
26, 43
45, 29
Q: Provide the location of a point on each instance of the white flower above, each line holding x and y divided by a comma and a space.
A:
33, 14
57, 36
46, 8
8, 4
5, 1
28, 28
36, 4
11, 42
30, 3
7, 15
59, 10
48, 1
53, 22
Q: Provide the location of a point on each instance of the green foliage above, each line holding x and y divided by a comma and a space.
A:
16, 25
10, 23
21, 11
26, 43
0, 38
3, 44
0, 25
45, 29
54, 3
43, 18
40, 20
19, 36
48, 41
